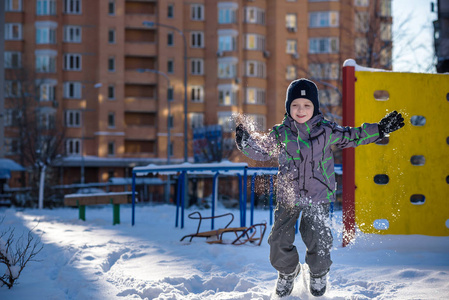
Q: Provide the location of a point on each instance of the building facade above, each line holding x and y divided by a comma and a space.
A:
102, 72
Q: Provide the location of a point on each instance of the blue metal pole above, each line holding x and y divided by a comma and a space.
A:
271, 199
184, 189
214, 187
253, 183
245, 194
240, 197
178, 198
133, 199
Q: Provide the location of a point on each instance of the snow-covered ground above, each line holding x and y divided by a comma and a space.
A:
96, 260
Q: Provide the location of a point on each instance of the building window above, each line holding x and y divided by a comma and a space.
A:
111, 148
11, 117
13, 31
197, 39
226, 121
170, 11
290, 22
197, 12
72, 62
254, 15
291, 47
72, 7
197, 66
170, 66
227, 12
255, 69
111, 64
46, 119
361, 47
46, 7
385, 32
385, 8
227, 40
12, 146
13, 60
255, 96
323, 19
329, 97
290, 73
361, 2
170, 93
227, 67
73, 146
255, 42
324, 71
385, 57
111, 92
196, 120
111, 120
259, 121
227, 94
46, 32
12, 88
111, 36
13, 5
73, 118
323, 45
111, 7
45, 61
196, 93
72, 90
170, 39
72, 34
170, 121
361, 21
47, 92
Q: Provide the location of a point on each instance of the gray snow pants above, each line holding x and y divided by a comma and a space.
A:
315, 233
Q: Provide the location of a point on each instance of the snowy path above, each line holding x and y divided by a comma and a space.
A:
96, 260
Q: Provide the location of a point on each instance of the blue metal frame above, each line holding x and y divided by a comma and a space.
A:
184, 168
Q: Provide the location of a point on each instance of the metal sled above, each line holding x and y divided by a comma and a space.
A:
253, 234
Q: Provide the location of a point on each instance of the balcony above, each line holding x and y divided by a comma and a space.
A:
135, 132
140, 104
133, 48
136, 20
135, 77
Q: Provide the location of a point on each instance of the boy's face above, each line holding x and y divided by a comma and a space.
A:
301, 110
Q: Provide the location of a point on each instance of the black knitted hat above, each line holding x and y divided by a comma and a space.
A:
302, 88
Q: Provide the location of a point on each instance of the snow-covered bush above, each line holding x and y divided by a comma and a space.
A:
15, 253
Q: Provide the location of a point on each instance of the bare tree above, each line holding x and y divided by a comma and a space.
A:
40, 140
15, 253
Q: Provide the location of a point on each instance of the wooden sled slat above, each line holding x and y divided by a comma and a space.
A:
253, 234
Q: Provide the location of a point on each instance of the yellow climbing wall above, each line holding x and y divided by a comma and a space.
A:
397, 207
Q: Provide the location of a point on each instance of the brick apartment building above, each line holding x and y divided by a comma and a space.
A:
101, 76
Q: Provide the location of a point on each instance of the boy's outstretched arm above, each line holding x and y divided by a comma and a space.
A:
391, 122
257, 149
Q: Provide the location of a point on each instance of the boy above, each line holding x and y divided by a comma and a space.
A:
306, 180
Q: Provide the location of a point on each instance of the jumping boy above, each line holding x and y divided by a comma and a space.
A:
306, 180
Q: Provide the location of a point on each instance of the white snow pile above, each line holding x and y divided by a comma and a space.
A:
96, 260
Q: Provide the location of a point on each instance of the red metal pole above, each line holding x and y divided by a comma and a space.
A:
348, 157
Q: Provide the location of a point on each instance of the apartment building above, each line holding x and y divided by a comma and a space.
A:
111, 74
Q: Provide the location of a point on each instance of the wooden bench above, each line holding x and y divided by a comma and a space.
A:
253, 234
83, 200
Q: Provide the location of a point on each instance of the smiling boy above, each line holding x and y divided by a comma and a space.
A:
306, 180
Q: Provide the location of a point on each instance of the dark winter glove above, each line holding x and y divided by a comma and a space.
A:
391, 122
241, 136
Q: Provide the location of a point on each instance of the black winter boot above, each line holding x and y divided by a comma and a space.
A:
284, 286
318, 284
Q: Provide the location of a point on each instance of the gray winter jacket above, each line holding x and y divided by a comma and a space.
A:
306, 163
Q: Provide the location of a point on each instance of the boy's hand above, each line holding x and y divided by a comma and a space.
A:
391, 122
241, 135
